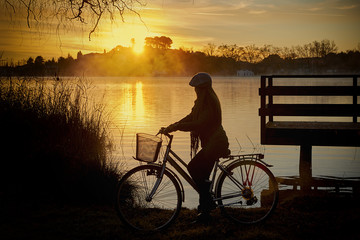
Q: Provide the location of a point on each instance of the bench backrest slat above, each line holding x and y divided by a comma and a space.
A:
310, 91
323, 110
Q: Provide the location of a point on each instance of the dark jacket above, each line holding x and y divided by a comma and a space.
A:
206, 122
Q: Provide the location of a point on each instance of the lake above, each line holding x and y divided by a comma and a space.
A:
145, 104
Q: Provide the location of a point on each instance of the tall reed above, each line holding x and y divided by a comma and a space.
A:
55, 141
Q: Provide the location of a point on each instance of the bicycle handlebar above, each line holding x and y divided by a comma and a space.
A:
162, 131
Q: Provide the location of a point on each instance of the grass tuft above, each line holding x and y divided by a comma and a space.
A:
55, 143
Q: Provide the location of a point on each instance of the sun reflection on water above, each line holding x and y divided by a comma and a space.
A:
132, 102
139, 101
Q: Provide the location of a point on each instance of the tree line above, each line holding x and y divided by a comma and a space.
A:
254, 54
158, 59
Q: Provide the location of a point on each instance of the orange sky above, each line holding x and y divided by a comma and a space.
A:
193, 24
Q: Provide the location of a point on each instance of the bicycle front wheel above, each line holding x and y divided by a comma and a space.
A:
137, 209
248, 193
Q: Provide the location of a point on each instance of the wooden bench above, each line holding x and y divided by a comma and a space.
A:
323, 132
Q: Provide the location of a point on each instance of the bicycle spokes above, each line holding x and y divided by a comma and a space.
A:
258, 193
247, 173
152, 202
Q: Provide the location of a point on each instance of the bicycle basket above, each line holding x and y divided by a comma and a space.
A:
147, 147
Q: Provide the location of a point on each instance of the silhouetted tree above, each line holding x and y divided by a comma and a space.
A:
210, 49
303, 51
39, 60
39, 67
271, 64
79, 55
327, 47
289, 53
159, 42
66, 65
323, 48
251, 54
30, 61
230, 51
265, 51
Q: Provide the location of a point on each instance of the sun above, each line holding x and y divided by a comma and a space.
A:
136, 47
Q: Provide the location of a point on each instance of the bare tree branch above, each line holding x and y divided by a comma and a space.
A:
12, 6
96, 24
84, 11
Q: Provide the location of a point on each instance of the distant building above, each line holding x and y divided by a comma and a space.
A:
244, 73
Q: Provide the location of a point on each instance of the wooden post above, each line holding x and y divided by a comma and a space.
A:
305, 167
355, 99
262, 106
271, 118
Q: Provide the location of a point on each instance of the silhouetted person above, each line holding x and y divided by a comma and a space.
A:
204, 123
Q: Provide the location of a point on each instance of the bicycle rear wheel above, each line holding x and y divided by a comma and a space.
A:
133, 205
255, 200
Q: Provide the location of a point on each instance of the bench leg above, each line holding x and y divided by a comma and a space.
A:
305, 167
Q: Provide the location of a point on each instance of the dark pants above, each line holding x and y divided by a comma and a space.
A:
200, 168
201, 165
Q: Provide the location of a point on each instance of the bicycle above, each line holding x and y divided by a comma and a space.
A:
149, 197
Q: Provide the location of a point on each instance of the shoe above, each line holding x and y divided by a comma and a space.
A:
207, 206
202, 218
212, 205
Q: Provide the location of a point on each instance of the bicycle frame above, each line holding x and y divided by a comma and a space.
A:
171, 157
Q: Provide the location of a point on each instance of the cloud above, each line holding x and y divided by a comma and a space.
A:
346, 7
315, 9
214, 14
257, 11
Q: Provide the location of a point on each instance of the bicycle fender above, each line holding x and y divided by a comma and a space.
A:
245, 158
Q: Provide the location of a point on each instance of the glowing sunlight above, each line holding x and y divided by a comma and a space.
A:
139, 107
127, 35
132, 103
126, 103
137, 48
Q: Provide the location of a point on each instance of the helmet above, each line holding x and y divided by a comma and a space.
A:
200, 79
